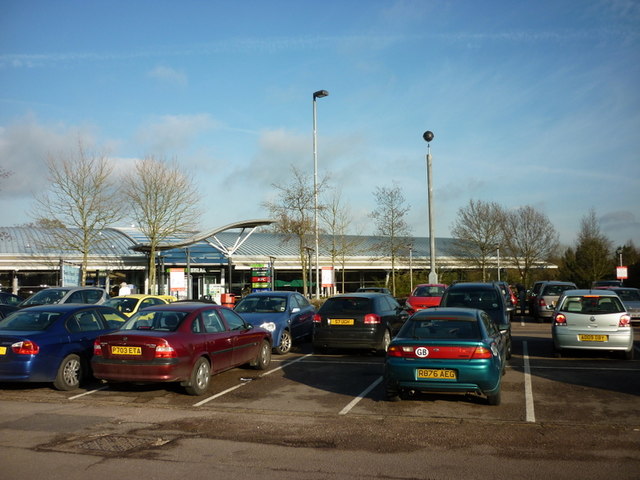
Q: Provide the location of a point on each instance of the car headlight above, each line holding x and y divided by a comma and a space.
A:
269, 326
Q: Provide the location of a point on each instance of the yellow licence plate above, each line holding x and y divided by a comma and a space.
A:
341, 321
437, 374
3, 350
593, 338
116, 350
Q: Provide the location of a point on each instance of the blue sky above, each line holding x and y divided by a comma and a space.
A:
531, 103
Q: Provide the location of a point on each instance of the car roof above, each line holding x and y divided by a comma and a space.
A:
359, 295
183, 306
271, 293
593, 291
441, 311
473, 285
431, 285
65, 307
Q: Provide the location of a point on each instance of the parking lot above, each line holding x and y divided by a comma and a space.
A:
581, 394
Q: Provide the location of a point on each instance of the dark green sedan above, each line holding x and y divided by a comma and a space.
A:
446, 350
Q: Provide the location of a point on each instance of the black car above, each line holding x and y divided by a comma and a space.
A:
357, 320
484, 296
9, 299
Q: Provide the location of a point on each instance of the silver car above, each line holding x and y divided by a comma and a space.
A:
48, 296
546, 300
592, 320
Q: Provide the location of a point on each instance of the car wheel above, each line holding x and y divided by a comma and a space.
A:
285, 343
70, 373
384, 345
628, 355
263, 358
200, 377
508, 355
495, 398
392, 393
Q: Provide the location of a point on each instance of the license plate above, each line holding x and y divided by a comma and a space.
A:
341, 321
593, 338
116, 350
3, 350
437, 374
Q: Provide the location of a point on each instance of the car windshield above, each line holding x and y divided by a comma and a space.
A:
347, 305
428, 291
162, 321
629, 295
26, 321
555, 290
262, 304
592, 305
45, 297
441, 329
482, 299
122, 304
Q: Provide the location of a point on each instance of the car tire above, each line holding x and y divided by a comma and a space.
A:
263, 358
285, 343
392, 393
384, 344
495, 398
200, 377
70, 373
628, 355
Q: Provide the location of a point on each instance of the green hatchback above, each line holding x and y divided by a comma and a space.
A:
447, 350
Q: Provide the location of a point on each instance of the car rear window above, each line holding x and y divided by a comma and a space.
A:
482, 299
347, 305
26, 321
162, 321
428, 291
441, 329
555, 290
592, 305
629, 295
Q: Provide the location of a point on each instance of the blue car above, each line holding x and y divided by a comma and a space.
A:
447, 349
287, 315
53, 343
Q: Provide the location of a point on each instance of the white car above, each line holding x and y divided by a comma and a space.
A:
592, 320
53, 295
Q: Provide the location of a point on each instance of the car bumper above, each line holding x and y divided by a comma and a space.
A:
166, 371
571, 339
351, 338
472, 375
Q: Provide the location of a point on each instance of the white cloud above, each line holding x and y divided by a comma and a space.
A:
169, 75
169, 133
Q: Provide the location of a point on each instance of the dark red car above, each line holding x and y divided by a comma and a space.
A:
424, 296
180, 342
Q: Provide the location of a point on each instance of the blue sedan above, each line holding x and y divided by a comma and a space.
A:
287, 315
53, 343
447, 349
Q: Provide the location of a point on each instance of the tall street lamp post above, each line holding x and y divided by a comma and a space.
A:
318, 94
433, 276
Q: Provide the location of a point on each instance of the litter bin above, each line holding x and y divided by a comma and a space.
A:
228, 300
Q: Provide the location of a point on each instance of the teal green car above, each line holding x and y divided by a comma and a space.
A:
446, 350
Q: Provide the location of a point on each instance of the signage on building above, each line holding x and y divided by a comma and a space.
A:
260, 277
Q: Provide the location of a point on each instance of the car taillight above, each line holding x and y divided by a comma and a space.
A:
25, 347
560, 319
372, 319
625, 321
317, 318
439, 352
164, 350
97, 348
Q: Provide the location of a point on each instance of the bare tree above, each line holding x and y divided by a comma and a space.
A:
164, 202
293, 211
530, 239
477, 231
391, 225
80, 202
337, 219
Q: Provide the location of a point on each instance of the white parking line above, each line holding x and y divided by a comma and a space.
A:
88, 393
528, 391
355, 401
213, 397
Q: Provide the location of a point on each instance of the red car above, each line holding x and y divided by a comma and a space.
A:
424, 296
180, 342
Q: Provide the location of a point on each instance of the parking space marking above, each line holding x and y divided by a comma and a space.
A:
89, 392
224, 392
528, 390
355, 401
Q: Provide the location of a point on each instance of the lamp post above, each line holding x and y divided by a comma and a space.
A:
318, 94
433, 276
498, 250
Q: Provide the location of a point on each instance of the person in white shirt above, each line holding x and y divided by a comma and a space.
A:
124, 289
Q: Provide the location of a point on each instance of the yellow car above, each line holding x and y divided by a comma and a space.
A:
130, 304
